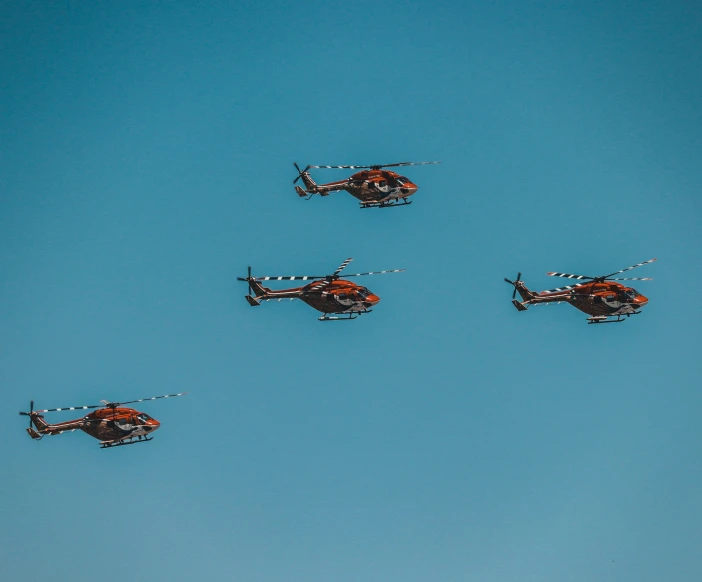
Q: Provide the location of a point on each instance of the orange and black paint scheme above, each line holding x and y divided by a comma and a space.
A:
111, 424
374, 187
336, 298
600, 297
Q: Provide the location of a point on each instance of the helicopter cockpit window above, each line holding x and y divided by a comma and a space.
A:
363, 293
143, 417
631, 293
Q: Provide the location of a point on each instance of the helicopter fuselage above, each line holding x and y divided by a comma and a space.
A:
105, 424
338, 296
596, 299
368, 186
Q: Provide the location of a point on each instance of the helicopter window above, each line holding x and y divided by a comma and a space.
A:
143, 417
363, 293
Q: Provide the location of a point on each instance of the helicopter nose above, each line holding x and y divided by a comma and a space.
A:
371, 300
152, 425
409, 189
641, 300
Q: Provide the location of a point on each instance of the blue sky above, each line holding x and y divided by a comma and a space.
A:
146, 159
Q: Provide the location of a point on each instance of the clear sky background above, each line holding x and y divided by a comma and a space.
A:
146, 154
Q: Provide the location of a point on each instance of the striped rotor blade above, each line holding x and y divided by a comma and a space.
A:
69, 408
152, 398
286, 278
566, 288
633, 279
407, 164
319, 286
341, 167
568, 276
629, 268
342, 266
375, 273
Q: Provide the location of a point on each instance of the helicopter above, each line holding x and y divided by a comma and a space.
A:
373, 186
599, 297
336, 298
113, 425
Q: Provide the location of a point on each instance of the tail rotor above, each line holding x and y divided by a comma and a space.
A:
37, 436
514, 284
247, 279
30, 413
518, 284
299, 172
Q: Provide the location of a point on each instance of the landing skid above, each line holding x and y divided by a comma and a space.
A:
349, 315
390, 204
606, 318
130, 441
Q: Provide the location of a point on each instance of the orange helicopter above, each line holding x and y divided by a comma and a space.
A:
329, 294
374, 187
601, 299
112, 425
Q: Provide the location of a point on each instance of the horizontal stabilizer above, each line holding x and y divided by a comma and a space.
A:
300, 192
34, 434
253, 302
518, 305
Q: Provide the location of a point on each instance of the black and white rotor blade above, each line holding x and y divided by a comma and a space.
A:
69, 408
375, 273
631, 279
286, 278
629, 268
405, 164
319, 286
341, 267
342, 167
145, 399
566, 288
568, 276
374, 166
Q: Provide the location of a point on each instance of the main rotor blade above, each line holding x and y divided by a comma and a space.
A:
376, 166
69, 408
342, 167
319, 286
375, 273
632, 279
405, 164
341, 267
303, 277
564, 288
568, 276
295, 278
629, 268
145, 399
